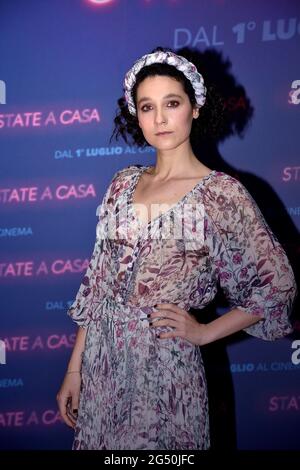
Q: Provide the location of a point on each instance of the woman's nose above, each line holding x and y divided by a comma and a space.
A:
160, 117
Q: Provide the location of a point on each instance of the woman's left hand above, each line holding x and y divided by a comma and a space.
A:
183, 323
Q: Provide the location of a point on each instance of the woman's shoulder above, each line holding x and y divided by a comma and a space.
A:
225, 187
225, 197
122, 180
127, 172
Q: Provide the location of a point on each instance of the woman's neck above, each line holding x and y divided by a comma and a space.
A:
171, 164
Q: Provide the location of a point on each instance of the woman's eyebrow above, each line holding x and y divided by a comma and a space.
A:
170, 95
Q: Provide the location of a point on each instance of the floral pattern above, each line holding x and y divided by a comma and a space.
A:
142, 392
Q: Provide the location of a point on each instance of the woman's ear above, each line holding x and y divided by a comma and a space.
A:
196, 112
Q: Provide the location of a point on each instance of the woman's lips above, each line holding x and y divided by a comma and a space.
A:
164, 133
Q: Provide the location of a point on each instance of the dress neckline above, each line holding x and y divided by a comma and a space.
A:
137, 176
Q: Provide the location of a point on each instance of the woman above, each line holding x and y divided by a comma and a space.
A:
167, 236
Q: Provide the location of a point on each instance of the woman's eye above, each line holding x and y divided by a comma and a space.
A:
173, 104
146, 107
170, 104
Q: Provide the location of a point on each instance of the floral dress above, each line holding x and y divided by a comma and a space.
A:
142, 392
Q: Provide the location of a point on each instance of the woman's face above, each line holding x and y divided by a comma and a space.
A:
165, 113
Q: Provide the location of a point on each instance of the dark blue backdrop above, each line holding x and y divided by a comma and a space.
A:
62, 63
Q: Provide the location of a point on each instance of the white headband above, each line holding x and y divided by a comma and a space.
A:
181, 63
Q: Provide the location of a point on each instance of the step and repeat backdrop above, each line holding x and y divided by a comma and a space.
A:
62, 64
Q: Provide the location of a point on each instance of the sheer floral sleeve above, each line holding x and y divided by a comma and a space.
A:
90, 288
248, 262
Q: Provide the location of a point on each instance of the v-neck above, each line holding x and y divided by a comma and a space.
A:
137, 177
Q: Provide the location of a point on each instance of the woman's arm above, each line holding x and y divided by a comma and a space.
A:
227, 324
68, 395
186, 326
76, 356
248, 262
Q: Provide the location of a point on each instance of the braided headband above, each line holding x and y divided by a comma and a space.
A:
181, 63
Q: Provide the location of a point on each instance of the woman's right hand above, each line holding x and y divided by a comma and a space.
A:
68, 397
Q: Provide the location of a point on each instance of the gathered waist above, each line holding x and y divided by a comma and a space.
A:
110, 307
127, 311
117, 321
116, 308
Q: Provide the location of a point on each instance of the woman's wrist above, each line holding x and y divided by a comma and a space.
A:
203, 335
75, 361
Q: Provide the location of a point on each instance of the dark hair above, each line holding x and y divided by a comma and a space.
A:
207, 126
